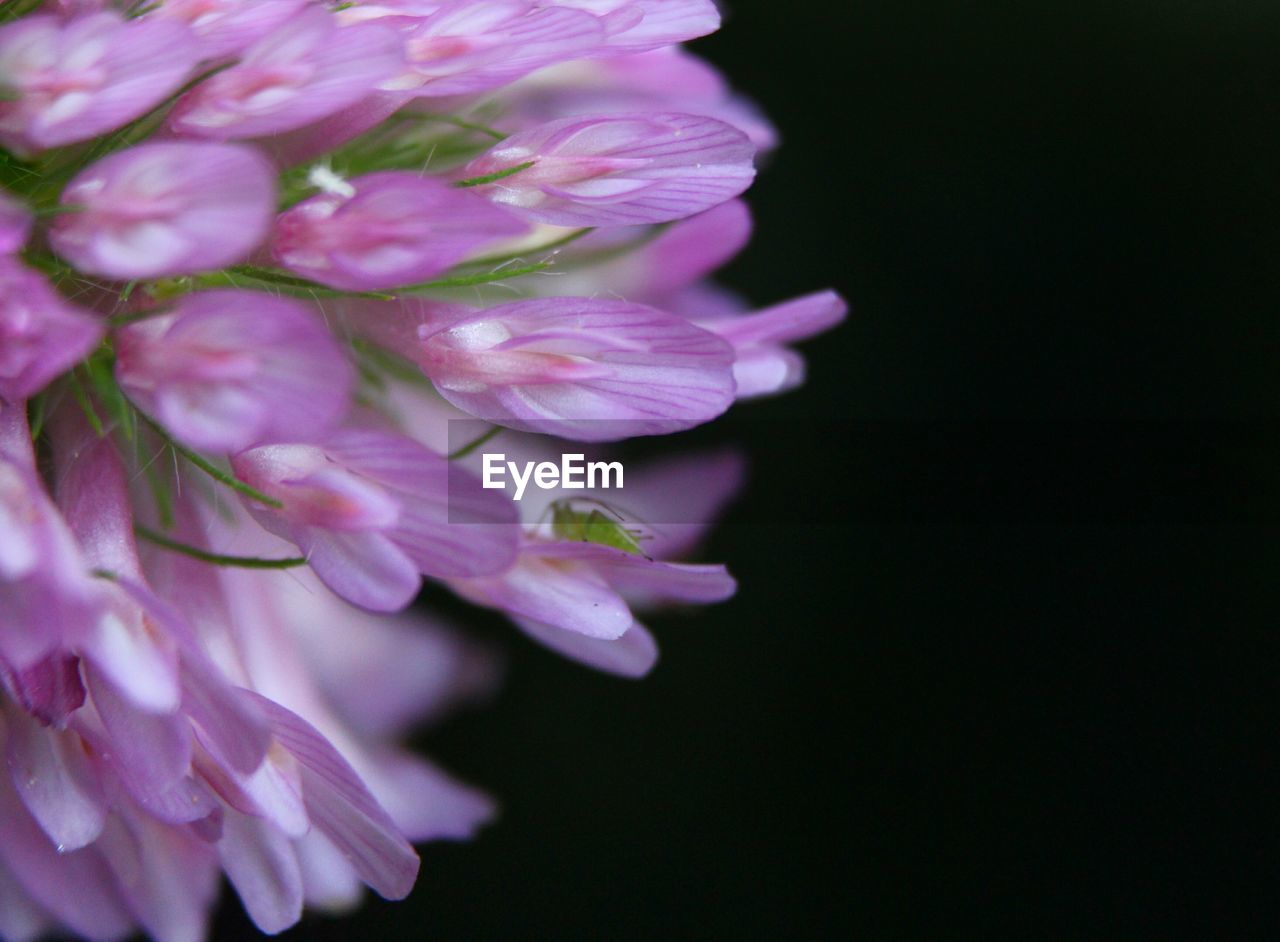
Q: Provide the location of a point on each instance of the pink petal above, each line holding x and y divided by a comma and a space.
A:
632, 655
228, 27
307, 70
56, 782
618, 170
15, 224
448, 524
469, 46
365, 568
95, 910
637, 25
21, 920
341, 807
395, 229
566, 593
652, 578
41, 334
426, 803
171, 208
590, 370
262, 865
227, 369
86, 76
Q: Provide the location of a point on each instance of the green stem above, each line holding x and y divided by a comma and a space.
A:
222, 477
538, 250
472, 446
494, 177
479, 278
218, 559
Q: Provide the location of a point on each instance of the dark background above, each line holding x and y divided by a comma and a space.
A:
1003, 660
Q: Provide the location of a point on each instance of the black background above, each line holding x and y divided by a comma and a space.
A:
1003, 660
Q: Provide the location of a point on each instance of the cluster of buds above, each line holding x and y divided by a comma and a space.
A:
256, 256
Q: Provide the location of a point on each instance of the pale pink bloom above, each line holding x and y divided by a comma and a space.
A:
307, 69
468, 46
41, 334
166, 209
372, 511
228, 27
80, 78
763, 363
15, 224
387, 229
223, 370
616, 170
580, 368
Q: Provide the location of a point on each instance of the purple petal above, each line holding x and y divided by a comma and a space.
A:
763, 365
341, 807
590, 370
15, 224
171, 208
227, 369
619, 170
21, 920
227, 27
393, 229
631, 655
636, 25
95, 910
469, 46
426, 803
565, 592
262, 865
41, 335
86, 76
50, 690
366, 568
305, 71
432, 494
168, 876
56, 782
229, 724
650, 578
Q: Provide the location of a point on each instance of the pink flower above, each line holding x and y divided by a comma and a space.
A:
371, 512
387, 229
468, 46
174, 707
590, 370
307, 69
74, 80
223, 370
166, 209
618, 169
41, 335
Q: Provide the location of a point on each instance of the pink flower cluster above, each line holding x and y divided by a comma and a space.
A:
255, 256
